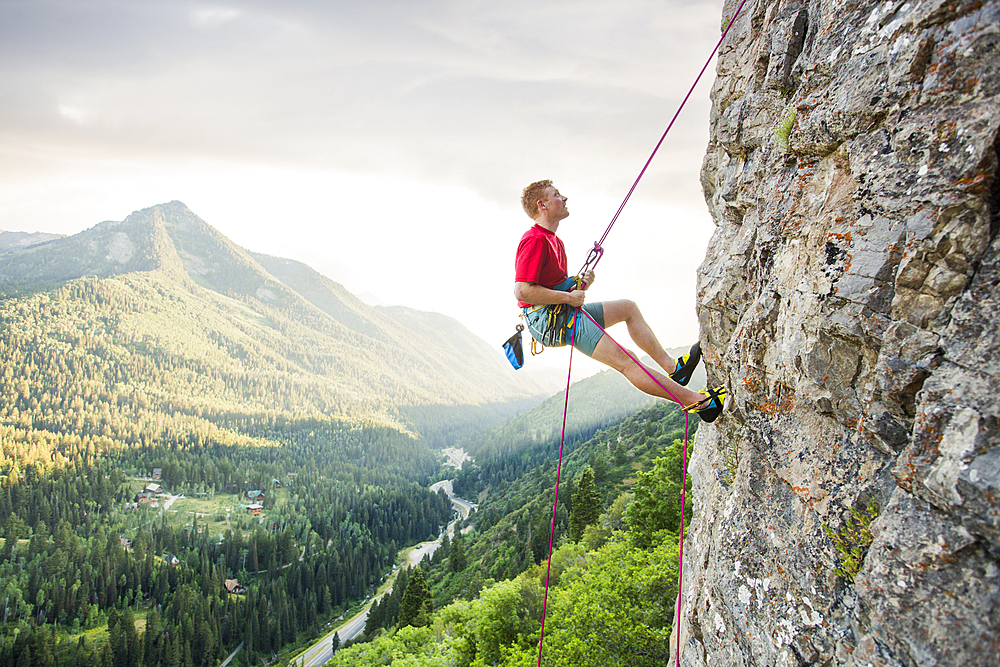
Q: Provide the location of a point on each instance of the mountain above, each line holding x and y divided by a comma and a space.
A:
156, 346
16, 240
197, 324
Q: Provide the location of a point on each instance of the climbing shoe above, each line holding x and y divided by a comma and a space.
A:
712, 408
686, 365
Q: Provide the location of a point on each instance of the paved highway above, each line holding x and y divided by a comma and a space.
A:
320, 652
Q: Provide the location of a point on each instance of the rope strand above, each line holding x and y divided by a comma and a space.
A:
598, 246
555, 503
591, 262
562, 440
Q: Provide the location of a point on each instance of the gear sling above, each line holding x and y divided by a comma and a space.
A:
552, 328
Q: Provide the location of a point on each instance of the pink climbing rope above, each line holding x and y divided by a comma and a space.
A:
562, 440
555, 503
598, 250
593, 257
684, 468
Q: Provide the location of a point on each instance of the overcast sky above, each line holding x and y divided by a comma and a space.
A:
385, 143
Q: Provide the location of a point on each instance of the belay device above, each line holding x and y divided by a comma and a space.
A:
512, 348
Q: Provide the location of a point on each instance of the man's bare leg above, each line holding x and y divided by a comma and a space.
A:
608, 353
639, 331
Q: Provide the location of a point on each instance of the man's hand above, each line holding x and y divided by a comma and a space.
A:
588, 279
576, 297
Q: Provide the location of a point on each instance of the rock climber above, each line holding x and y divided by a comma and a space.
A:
542, 285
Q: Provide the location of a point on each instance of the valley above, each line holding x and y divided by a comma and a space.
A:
203, 448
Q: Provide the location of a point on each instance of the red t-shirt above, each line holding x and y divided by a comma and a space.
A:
541, 259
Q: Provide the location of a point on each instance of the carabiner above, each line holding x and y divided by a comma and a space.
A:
593, 257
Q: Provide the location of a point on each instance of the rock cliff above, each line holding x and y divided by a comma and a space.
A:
846, 504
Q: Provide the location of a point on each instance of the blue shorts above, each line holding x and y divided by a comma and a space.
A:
587, 333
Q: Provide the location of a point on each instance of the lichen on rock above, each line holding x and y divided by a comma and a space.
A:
850, 302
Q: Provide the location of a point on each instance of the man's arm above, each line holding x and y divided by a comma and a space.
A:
537, 295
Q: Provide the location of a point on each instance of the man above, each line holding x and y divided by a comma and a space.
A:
541, 282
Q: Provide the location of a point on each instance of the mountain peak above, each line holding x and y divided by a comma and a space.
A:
137, 243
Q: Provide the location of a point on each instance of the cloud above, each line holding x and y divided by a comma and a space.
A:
110, 106
432, 89
212, 17
76, 114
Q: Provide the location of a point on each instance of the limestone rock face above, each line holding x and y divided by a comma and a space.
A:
850, 302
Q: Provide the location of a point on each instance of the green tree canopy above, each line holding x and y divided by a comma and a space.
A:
417, 604
586, 505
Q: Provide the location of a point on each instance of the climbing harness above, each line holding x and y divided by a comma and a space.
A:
593, 257
551, 325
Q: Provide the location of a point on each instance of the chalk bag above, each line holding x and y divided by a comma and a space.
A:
512, 348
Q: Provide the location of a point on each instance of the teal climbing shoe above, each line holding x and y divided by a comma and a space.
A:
709, 410
686, 365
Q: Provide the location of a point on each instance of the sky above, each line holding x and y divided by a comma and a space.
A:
385, 143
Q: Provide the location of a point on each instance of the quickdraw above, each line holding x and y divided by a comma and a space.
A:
559, 321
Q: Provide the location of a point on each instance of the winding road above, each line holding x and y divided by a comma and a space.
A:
320, 652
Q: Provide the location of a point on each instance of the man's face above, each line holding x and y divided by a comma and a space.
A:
555, 204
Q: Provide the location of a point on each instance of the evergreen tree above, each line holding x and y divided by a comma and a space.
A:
376, 616
620, 456
132, 657
457, 559
395, 597
117, 640
586, 505
417, 604
151, 637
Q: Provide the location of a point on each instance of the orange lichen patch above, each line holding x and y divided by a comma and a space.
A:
969, 86
803, 494
894, 253
974, 179
976, 185
750, 382
782, 400
842, 241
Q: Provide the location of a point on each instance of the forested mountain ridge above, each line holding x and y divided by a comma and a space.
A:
164, 290
11, 240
